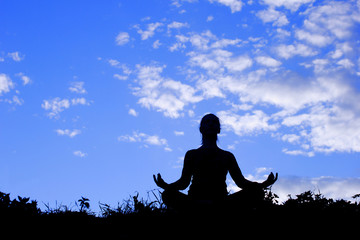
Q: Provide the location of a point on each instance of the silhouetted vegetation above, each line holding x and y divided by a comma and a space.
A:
136, 213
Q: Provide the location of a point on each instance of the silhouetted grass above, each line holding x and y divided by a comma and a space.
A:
135, 215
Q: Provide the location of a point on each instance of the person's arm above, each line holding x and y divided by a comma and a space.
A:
242, 182
237, 175
184, 180
186, 174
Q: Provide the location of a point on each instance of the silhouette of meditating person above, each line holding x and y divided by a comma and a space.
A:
206, 168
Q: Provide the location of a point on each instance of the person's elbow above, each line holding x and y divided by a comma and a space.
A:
183, 184
241, 183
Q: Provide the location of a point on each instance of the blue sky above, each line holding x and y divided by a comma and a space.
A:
96, 96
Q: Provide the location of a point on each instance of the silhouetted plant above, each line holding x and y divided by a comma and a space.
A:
271, 197
356, 196
21, 205
84, 204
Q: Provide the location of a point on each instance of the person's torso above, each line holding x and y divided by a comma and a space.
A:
210, 167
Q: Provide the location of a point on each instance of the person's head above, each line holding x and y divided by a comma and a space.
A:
210, 126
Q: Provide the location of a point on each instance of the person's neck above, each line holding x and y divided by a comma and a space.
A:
209, 142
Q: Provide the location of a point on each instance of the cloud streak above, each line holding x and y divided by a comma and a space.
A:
146, 139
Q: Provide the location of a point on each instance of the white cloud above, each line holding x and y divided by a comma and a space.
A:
238, 64
219, 60
291, 94
77, 87
120, 77
329, 121
145, 139
341, 49
256, 122
15, 56
204, 41
176, 25
114, 62
5, 83
210, 88
126, 71
333, 17
268, 61
56, 105
209, 18
330, 187
200, 41
150, 31
18, 101
178, 3
298, 152
79, 101
26, 80
292, 5
288, 51
155, 140
122, 38
164, 95
222, 43
156, 44
291, 138
80, 154
282, 34
132, 112
333, 128
179, 133
68, 132
317, 39
13, 100
346, 63
271, 15
235, 5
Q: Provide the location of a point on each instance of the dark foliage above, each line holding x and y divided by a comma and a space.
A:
307, 210
17, 207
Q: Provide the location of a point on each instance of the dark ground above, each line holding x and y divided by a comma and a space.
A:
308, 216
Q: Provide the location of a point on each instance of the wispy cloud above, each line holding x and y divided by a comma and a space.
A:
57, 105
5, 83
234, 5
150, 30
68, 132
146, 139
132, 112
122, 38
16, 56
77, 87
80, 154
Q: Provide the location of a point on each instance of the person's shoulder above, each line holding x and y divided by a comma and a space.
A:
192, 151
226, 154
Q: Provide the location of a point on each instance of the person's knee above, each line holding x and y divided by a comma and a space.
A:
169, 197
166, 196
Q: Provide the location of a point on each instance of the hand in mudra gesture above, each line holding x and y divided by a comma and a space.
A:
270, 180
160, 182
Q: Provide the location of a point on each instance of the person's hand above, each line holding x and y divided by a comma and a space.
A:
160, 182
270, 180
